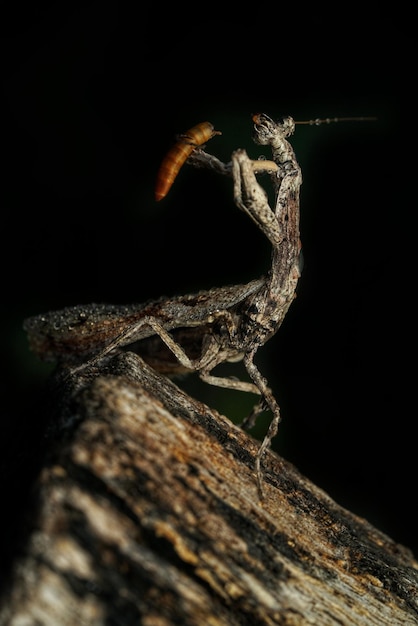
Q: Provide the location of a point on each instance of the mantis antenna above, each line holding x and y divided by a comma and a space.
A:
331, 120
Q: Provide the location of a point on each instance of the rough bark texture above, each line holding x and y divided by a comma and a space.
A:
147, 512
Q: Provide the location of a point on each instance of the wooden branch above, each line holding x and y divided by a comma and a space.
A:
147, 512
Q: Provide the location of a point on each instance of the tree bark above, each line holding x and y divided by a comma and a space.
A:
147, 512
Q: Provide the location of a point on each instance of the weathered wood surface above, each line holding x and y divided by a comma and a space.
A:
148, 513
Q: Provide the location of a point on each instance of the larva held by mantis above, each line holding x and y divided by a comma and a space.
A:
179, 153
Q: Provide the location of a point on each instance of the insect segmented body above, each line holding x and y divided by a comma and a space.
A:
179, 153
198, 332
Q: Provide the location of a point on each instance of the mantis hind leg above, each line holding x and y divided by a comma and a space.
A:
267, 399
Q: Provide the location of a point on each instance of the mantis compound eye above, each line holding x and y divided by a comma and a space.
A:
266, 130
262, 128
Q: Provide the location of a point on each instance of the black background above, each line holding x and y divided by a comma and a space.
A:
95, 95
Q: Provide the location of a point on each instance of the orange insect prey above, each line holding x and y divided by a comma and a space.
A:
179, 153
